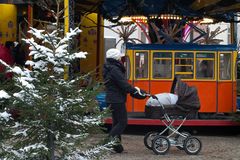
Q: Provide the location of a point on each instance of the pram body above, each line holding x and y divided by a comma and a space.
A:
188, 102
187, 105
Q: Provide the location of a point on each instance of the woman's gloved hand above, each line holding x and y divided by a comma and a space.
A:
139, 93
143, 93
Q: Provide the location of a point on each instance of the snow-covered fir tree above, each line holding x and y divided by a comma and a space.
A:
52, 117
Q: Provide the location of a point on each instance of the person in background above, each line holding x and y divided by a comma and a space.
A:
117, 88
9, 45
6, 56
19, 54
205, 70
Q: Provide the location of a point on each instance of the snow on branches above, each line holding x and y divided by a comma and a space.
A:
5, 116
57, 53
4, 95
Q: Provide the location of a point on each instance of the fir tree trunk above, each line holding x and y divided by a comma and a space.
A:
50, 145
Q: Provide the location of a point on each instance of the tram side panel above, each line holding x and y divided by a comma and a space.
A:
217, 94
207, 92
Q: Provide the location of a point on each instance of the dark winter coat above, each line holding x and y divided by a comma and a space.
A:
116, 83
5, 55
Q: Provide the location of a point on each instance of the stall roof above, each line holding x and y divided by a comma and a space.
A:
16, 1
219, 10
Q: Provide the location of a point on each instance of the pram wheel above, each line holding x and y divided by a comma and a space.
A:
160, 145
180, 139
192, 145
148, 138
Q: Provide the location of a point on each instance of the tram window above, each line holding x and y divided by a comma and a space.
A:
162, 65
184, 64
205, 65
127, 66
225, 66
141, 65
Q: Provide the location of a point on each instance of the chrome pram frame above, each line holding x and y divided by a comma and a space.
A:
161, 144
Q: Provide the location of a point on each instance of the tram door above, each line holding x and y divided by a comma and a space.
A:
225, 82
205, 80
141, 76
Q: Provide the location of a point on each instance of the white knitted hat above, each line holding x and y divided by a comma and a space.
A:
114, 53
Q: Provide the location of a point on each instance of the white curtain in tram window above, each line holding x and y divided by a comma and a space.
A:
225, 66
141, 65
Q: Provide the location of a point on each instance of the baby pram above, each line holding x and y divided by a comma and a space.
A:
188, 104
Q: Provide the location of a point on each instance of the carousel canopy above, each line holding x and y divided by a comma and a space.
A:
219, 10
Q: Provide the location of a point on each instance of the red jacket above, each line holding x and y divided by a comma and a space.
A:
6, 56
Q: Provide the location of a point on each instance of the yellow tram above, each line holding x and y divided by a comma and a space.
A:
211, 68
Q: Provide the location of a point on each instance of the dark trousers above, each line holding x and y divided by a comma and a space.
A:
119, 118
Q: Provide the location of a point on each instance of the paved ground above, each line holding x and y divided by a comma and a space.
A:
214, 148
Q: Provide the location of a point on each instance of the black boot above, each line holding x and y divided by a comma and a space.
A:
118, 148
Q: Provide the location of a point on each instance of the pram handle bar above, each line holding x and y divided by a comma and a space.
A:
145, 94
150, 95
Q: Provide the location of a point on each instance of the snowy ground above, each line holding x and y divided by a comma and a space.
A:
214, 148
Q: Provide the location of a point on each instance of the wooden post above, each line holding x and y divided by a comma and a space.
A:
68, 23
233, 29
30, 15
98, 44
30, 24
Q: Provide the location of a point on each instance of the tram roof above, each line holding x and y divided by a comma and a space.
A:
230, 47
219, 10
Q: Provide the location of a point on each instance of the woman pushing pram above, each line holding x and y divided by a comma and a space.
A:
182, 101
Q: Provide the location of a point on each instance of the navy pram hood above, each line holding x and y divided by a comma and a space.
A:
187, 96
